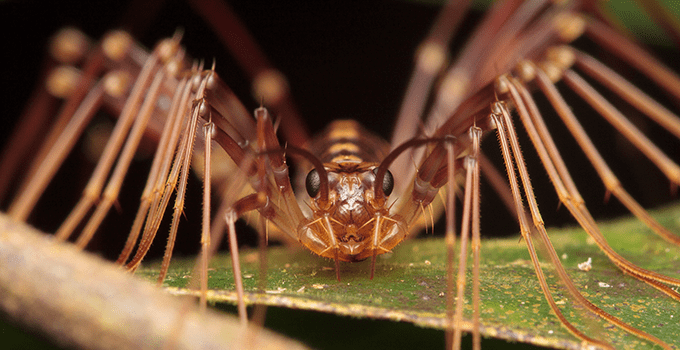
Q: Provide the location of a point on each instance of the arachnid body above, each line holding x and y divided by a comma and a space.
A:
489, 92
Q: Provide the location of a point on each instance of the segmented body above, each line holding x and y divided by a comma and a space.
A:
350, 217
350, 155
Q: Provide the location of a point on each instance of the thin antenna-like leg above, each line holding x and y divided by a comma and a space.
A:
497, 182
230, 218
554, 170
450, 239
67, 47
179, 168
476, 241
112, 189
69, 125
625, 127
30, 189
430, 59
200, 109
255, 201
94, 187
32, 123
22, 206
569, 195
268, 83
160, 165
233, 192
208, 129
634, 55
663, 17
608, 177
228, 215
633, 95
501, 117
167, 182
471, 181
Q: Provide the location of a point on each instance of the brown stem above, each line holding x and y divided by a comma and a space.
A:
81, 301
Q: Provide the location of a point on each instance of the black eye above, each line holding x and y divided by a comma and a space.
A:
313, 183
388, 182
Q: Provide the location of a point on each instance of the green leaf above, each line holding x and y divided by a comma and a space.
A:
410, 285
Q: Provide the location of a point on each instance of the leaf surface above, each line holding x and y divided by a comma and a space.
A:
410, 285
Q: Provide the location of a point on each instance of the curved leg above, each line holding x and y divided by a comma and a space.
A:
562, 189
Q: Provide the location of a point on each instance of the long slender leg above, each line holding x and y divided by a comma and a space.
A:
268, 83
230, 215
236, 186
69, 125
504, 30
431, 176
94, 187
256, 201
67, 47
567, 189
635, 55
279, 169
60, 83
664, 18
458, 78
200, 109
275, 185
45, 159
228, 211
274, 198
476, 242
452, 341
608, 177
160, 195
538, 223
31, 123
429, 60
471, 190
201, 268
22, 206
260, 310
270, 211
160, 166
208, 130
524, 225
230, 218
162, 199
497, 182
625, 127
115, 182
628, 91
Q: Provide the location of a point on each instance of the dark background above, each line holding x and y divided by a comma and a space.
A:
342, 59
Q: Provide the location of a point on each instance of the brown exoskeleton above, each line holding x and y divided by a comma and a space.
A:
351, 211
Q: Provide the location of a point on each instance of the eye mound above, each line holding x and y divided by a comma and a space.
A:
388, 182
313, 183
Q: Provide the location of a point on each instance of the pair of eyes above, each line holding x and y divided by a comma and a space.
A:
313, 182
